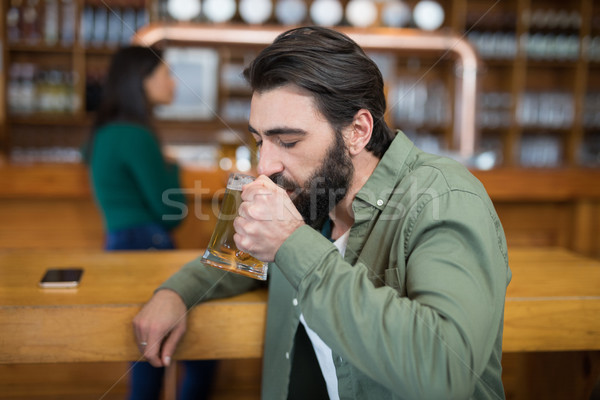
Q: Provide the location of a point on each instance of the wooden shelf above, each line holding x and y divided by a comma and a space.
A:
40, 48
551, 64
47, 119
546, 129
101, 51
539, 184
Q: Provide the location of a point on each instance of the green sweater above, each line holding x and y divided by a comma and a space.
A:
414, 310
132, 183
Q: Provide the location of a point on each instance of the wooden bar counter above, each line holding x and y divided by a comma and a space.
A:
93, 322
553, 304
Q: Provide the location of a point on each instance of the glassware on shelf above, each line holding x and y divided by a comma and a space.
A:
51, 22
33, 89
31, 27
14, 21
255, 12
101, 25
183, 10
361, 13
68, 18
428, 15
219, 11
542, 150
53, 154
326, 12
591, 111
416, 103
129, 27
396, 14
589, 150
494, 45
555, 19
594, 49
290, 12
494, 110
552, 47
554, 110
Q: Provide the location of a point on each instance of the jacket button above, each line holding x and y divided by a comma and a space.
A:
295, 302
287, 355
379, 202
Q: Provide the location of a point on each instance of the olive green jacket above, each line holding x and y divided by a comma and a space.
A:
415, 308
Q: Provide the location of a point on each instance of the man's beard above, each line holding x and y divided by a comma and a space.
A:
325, 188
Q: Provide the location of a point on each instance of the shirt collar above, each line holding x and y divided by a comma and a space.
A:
390, 169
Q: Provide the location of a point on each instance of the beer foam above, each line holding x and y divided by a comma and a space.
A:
236, 181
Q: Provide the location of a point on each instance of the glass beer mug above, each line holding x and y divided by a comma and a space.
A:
222, 251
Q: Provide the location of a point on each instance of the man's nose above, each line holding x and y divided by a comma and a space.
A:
269, 160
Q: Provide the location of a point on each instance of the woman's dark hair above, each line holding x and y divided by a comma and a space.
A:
123, 95
330, 65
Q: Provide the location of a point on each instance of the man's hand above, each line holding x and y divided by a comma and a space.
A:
266, 218
159, 326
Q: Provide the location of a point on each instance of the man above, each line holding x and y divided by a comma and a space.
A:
408, 302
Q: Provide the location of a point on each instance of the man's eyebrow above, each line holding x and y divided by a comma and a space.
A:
278, 131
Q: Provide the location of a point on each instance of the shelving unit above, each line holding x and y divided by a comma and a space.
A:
544, 70
538, 90
47, 70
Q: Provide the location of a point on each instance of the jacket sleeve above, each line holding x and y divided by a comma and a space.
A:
157, 179
436, 341
195, 283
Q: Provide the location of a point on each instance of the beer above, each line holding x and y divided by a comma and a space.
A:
222, 251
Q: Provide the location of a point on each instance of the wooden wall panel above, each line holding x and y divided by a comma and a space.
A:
76, 381
77, 224
550, 375
536, 223
50, 223
235, 380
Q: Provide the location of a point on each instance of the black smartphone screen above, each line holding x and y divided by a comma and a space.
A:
61, 277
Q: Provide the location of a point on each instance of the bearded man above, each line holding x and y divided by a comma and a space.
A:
388, 266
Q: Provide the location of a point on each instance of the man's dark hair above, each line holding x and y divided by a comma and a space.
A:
334, 69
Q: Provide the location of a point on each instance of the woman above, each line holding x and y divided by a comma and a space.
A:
135, 187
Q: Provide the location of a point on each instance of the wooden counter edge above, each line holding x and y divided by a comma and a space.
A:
216, 330
502, 184
231, 329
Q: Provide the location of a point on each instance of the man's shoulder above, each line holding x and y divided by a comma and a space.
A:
441, 173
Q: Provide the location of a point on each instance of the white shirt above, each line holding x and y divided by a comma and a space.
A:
322, 351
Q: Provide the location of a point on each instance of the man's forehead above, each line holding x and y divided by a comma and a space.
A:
286, 107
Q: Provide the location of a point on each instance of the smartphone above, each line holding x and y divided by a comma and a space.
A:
61, 277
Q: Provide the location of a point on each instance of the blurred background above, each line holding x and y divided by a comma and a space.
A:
537, 147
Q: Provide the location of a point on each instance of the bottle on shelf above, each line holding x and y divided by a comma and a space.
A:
114, 27
14, 21
51, 18
128, 16
87, 25
31, 22
100, 26
67, 27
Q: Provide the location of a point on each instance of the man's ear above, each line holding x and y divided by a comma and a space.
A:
359, 132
